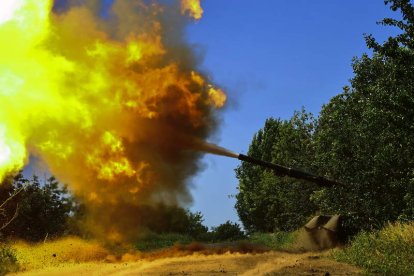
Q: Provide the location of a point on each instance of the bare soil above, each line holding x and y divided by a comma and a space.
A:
270, 263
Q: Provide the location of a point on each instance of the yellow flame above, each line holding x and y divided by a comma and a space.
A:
193, 8
217, 96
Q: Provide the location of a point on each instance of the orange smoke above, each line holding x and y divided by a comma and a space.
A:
113, 106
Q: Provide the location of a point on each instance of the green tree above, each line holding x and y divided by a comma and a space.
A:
195, 227
227, 231
266, 202
365, 134
42, 209
250, 205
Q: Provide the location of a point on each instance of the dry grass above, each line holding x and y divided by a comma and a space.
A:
57, 253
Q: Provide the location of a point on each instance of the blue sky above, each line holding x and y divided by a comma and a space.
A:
273, 57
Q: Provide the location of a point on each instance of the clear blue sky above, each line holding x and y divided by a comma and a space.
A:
273, 57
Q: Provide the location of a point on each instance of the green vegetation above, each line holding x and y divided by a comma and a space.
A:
8, 261
227, 231
41, 210
276, 241
389, 251
265, 202
364, 135
362, 138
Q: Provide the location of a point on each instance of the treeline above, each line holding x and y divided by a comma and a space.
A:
364, 138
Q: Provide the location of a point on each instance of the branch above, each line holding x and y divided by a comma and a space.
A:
16, 212
13, 218
11, 197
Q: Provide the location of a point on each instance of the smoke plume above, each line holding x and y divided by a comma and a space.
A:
109, 99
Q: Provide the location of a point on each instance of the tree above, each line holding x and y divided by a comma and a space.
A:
227, 231
42, 210
266, 202
250, 206
365, 134
195, 227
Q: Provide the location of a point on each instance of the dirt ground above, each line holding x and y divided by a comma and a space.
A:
270, 263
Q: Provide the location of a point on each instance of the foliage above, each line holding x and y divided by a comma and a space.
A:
42, 209
195, 227
227, 231
8, 261
268, 203
389, 251
276, 241
364, 136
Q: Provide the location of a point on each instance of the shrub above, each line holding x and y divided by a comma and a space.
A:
389, 251
8, 261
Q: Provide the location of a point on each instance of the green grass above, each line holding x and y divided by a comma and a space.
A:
389, 251
8, 261
276, 241
153, 241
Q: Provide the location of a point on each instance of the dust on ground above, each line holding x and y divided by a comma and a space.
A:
269, 263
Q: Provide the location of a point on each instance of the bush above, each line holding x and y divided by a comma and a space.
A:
227, 231
389, 251
8, 261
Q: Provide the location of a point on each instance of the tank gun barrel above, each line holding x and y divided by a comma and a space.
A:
286, 171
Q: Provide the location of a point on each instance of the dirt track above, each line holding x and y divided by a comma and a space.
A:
272, 263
